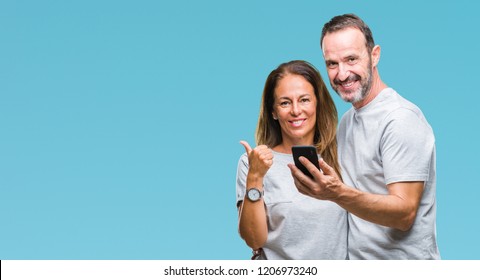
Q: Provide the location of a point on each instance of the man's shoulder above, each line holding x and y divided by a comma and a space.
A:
346, 117
394, 99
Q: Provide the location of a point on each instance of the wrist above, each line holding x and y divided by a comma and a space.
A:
343, 194
254, 194
254, 181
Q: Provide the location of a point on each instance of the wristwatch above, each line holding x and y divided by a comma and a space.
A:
254, 194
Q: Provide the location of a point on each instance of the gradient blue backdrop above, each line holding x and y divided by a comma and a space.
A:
120, 120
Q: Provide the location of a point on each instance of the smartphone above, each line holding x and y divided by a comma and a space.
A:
310, 152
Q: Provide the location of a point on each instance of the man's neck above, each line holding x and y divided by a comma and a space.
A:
377, 86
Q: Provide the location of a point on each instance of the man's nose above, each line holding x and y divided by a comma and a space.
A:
343, 72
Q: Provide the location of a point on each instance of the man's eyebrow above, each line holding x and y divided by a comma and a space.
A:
351, 56
327, 61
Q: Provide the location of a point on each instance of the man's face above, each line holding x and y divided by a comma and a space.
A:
349, 64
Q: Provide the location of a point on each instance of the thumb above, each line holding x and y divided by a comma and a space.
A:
327, 169
245, 144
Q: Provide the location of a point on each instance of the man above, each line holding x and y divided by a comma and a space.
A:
386, 150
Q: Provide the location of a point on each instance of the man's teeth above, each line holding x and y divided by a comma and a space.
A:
349, 84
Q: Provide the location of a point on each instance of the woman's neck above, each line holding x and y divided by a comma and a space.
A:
286, 148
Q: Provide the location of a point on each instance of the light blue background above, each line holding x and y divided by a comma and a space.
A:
120, 120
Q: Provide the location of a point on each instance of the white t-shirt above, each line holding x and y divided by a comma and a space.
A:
299, 227
389, 140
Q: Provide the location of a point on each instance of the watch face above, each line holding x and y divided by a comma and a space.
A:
254, 194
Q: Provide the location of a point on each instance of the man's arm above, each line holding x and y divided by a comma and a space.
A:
397, 209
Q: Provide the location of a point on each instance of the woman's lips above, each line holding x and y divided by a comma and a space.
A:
297, 123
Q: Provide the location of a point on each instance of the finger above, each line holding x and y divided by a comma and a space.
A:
266, 153
299, 178
310, 167
245, 144
300, 187
327, 169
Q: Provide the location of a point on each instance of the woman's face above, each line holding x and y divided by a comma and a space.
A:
295, 109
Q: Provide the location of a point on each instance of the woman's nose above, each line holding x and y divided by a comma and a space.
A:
295, 110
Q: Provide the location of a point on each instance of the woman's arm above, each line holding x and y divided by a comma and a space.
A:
252, 214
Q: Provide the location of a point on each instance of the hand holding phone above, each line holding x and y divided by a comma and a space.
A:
310, 152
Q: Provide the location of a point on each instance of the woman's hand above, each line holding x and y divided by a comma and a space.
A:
260, 159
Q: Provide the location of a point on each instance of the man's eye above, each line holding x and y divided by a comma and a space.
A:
331, 65
352, 60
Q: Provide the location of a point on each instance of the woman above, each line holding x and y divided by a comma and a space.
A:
275, 220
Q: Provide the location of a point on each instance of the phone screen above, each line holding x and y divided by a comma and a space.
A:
310, 152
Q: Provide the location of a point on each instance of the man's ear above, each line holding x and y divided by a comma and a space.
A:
375, 55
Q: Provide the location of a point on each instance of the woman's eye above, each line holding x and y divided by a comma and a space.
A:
284, 104
304, 100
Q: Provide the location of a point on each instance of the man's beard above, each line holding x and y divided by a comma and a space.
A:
360, 93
